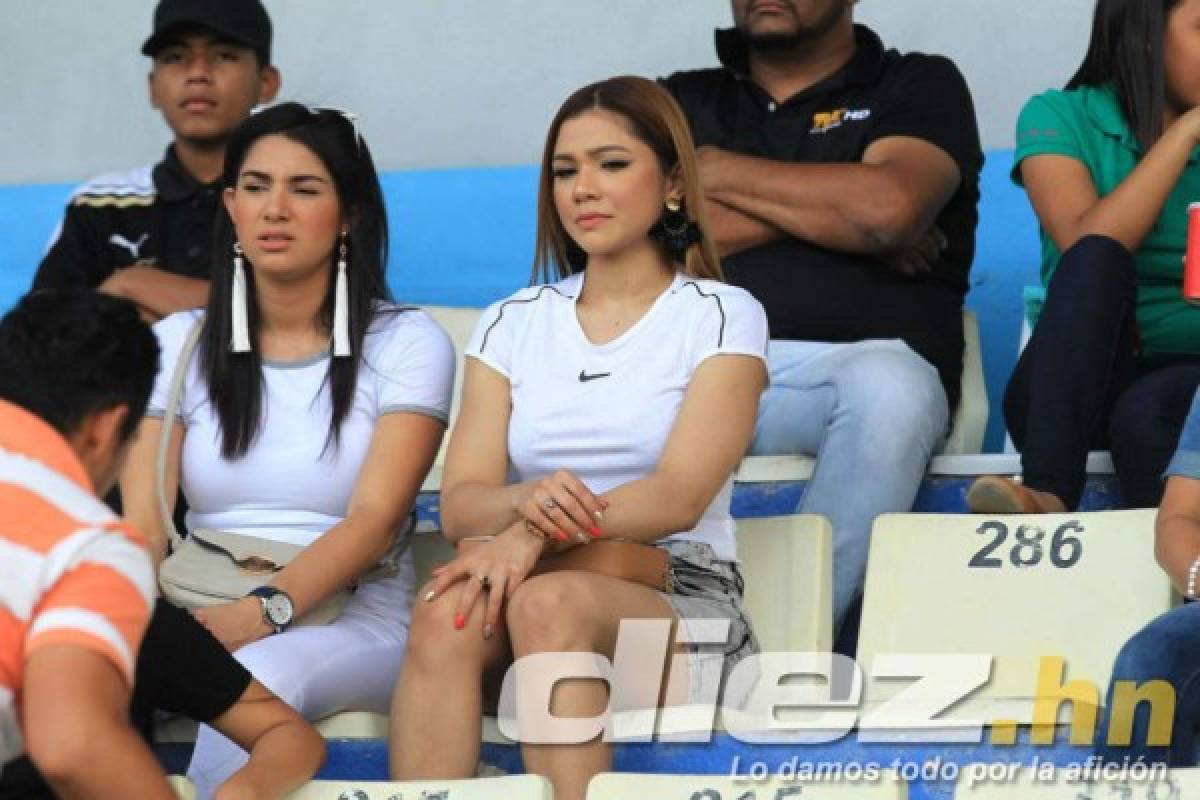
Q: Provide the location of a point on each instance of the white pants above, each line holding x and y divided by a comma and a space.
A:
350, 664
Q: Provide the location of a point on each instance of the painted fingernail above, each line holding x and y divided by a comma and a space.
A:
595, 532
560, 535
460, 622
487, 631
430, 595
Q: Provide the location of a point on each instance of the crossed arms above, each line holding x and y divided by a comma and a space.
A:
885, 205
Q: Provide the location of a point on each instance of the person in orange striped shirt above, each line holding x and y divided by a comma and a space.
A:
76, 584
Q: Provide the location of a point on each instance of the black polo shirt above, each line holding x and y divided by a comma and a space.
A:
816, 294
160, 215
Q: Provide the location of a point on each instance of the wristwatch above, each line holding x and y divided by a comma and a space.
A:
277, 609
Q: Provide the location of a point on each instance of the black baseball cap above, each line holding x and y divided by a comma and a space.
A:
242, 21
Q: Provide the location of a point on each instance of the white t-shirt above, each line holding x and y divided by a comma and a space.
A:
604, 412
284, 488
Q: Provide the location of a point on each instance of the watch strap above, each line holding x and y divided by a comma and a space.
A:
264, 594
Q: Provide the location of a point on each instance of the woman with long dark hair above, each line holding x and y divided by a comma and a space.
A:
623, 393
311, 411
1110, 166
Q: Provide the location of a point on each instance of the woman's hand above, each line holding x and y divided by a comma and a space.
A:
235, 624
493, 569
561, 507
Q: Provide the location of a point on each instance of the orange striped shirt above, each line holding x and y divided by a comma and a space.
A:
70, 571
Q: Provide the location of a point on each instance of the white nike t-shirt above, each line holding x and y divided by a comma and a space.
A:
285, 487
604, 412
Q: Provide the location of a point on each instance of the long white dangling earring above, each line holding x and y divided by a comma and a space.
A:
240, 340
341, 306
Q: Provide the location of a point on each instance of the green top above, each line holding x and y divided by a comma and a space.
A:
1087, 124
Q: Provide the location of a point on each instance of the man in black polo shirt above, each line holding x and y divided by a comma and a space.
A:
842, 182
146, 234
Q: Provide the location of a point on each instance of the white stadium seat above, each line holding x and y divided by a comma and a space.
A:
1020, 588
1003, 783
508, 787
626, 786
184, 788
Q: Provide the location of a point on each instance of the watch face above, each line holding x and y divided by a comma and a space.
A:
278, 608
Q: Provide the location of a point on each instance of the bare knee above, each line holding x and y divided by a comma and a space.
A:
551, 613
433, 640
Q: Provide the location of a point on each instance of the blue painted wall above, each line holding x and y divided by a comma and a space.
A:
1007, 258
465, 237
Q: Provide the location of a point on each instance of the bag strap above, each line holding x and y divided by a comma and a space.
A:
178, 378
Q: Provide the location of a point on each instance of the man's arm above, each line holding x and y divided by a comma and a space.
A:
73, 259
76, 718
285, 751
76, 258
734, 231
182, 669
884, 204
156, 292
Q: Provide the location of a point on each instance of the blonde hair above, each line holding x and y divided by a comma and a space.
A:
656, 120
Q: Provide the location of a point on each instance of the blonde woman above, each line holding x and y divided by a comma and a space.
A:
622, 392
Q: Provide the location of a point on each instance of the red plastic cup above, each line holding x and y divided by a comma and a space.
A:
1191, 263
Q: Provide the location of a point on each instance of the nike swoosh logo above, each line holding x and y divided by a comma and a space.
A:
584, 377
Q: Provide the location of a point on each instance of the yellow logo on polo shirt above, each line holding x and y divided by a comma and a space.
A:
825, 121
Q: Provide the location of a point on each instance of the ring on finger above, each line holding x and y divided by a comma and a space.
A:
485, 582
549, 503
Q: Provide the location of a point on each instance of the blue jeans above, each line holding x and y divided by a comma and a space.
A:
1186, 461
1166, 649
873, 413
1081, 384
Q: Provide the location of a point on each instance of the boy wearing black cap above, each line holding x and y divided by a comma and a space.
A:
145, 234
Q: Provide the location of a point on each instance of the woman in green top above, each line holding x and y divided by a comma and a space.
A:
1110, 165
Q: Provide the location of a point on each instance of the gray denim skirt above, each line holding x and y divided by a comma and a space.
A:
703, 589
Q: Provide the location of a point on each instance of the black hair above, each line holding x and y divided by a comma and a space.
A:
66, 354
235, 383
1126, 50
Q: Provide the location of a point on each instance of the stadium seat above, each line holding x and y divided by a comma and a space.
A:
353, 725
343, 725
429, 550
183, 788
971, 417
1019, 588
507, 787
787, 563
623, 786
976, 784
459, 323
782, 469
